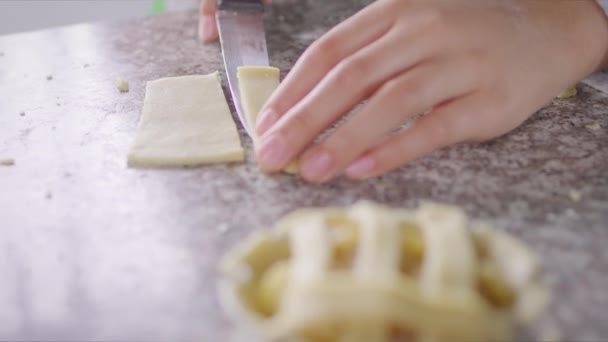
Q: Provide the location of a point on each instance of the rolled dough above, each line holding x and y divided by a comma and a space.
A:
256, 85
186, 121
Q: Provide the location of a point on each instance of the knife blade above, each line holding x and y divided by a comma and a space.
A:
243, 41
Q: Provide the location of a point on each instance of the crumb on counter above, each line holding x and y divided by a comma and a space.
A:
594, 126
123, 85
7, 162
570, 92
86, 65
22, 113
49, 77
48, 195
575, 196
1, 54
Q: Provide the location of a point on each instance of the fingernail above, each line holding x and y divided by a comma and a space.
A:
361, 168
316, 166
206, 28
265, 120
273, 152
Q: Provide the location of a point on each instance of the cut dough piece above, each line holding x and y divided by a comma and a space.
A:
256, 85
186, 121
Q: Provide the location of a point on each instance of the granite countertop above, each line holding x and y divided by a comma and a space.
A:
91, 250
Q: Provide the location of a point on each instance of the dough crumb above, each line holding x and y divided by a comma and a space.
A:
1, 54
48, 195
570, 92
575, 196
58, 104
22, 113
594, 127
7, 162
123, 85
86, 65
49, 77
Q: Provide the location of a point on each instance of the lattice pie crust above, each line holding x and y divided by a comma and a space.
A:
372, 273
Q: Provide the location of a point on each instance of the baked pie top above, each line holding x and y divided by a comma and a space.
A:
373, 273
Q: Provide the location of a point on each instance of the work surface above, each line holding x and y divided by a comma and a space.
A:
91, 250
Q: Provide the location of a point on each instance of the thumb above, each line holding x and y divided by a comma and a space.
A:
207, 27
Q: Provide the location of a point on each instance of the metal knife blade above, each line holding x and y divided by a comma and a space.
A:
243, 40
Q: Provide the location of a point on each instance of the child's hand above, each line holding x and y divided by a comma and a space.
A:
481, 68
207, 26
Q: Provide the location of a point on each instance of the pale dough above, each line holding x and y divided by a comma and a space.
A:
186, 121
122, 86
256, 85
569, 92
341, 274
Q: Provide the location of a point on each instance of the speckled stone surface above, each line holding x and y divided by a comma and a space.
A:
91, 250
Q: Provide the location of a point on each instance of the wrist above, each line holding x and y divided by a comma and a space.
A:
603, 4
580, 30
594, 33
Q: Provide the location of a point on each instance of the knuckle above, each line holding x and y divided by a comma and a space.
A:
408, 94
342, 141
434, 17
439, 131
350, 72
394, 89
394, 4
322, 51
300, 127
389, 157
479, 63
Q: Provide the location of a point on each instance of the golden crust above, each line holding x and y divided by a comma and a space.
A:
338, 275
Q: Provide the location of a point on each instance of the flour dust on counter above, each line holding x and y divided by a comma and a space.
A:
185, 122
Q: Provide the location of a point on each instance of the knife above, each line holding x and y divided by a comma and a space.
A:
243, 41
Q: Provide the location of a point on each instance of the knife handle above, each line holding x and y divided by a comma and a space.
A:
255, 5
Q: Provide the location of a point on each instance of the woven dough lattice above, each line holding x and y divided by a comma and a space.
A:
372, 273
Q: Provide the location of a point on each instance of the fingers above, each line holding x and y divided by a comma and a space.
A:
207, 26
345, 86
339, 43
414, 92
449, 124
